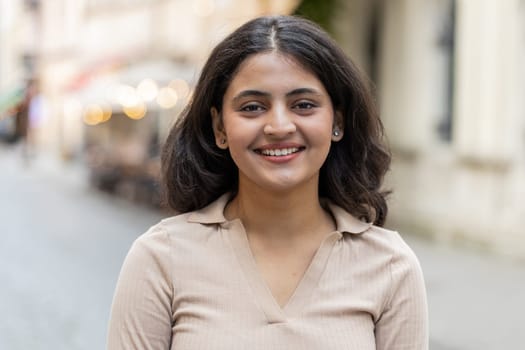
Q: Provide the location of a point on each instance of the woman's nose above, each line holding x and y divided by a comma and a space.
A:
279, 123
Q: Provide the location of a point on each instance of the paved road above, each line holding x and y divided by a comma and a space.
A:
476, 302
62, 244
61, 247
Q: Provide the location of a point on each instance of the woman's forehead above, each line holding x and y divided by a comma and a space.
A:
274, 56
272, 68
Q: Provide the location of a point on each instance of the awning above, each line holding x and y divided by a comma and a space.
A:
95, 86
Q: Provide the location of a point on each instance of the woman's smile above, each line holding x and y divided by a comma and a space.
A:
279, 153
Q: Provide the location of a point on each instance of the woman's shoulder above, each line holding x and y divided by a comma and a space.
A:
177, 227
195, 226
388, 241
170, 241
387, 236
385, 250
375, 240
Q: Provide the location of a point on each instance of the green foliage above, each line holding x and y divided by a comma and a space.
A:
319, 11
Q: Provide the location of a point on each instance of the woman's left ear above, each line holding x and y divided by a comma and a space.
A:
338, 128
218, 129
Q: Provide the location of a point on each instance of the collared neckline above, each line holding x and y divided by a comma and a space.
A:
293, 307
214, 214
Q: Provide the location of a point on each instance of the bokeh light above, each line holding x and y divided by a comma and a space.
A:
181, 87
137, 111
93, 115
167, 97
148, 90
127, 96
96, 113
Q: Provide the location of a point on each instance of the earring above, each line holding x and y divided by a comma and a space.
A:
336, 133
223, 141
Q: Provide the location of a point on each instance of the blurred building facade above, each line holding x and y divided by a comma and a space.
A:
450, 86
447, 74
113, 75
17, 65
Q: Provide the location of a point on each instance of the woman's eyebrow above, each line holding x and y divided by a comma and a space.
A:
299, 91
246, 93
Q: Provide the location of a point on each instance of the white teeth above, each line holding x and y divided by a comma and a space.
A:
279, 152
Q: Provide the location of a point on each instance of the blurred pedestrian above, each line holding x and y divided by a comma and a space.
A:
28, 116
276, 165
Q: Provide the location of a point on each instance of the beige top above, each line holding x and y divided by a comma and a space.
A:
191, 282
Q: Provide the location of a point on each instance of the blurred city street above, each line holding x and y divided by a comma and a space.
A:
99, 83
62, 244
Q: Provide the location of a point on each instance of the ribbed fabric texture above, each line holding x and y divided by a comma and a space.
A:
191, 282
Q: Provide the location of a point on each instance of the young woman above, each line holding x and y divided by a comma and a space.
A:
276, 166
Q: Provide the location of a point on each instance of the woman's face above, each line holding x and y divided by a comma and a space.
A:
277, 122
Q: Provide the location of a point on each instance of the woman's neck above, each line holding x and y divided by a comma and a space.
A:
280, 216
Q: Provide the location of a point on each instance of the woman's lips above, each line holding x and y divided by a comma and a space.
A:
279, 154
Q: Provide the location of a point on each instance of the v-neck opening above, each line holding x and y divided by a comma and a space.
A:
259, 286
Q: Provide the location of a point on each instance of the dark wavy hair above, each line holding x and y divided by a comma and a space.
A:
196, 172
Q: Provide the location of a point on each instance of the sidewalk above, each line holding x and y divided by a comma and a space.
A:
476, 301
62, 245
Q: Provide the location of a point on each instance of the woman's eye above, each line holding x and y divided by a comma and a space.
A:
252, 108
304, 105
